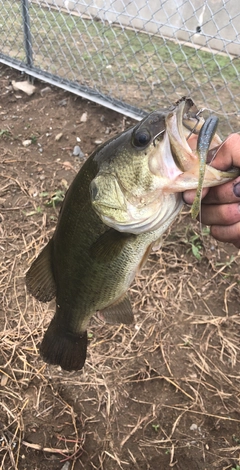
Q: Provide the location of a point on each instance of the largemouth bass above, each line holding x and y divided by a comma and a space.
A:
118, 206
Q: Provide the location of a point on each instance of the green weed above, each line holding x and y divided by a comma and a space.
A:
5, 133
38, 210
53, 199
196, 242
33, 139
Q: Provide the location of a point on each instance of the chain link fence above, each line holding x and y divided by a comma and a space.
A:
132, 56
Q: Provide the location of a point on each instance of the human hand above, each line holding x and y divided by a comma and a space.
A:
220, 207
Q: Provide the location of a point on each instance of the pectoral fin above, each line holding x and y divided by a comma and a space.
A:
39, 278
109, 245
157, 244
119, 312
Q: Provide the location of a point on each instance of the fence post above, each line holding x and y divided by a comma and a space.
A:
27, 33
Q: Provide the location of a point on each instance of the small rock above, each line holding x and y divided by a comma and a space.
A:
193, 427
45, 90
78, 139
58, 136
4, 379
62, 102
24, 86
77, 152
84, 117
27, 142
98, 142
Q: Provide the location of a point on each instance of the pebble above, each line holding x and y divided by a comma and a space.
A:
193, 427
58, 136
45, 90
62, 102
98, 142
4, 379
84, 117
77, 152
27, 142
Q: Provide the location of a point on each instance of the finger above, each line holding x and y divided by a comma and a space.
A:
223, 157
189, 196
227, 154
225, 194
227, 234
222, 214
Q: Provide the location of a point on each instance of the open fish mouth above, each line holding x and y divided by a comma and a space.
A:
196, 173
184, 122
139, 187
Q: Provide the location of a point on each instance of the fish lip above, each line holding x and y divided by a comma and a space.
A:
174, 150
179, 129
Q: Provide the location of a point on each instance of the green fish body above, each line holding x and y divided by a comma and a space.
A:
116, 209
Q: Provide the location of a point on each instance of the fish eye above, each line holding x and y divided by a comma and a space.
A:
141, 138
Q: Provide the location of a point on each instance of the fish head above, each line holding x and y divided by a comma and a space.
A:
142, 172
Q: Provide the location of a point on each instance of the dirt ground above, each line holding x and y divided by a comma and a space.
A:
161, 393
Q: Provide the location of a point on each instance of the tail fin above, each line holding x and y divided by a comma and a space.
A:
64, 348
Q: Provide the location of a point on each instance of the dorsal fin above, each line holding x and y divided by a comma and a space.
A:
39, 278
119, 312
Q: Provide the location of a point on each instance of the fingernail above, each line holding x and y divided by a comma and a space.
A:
236, 189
